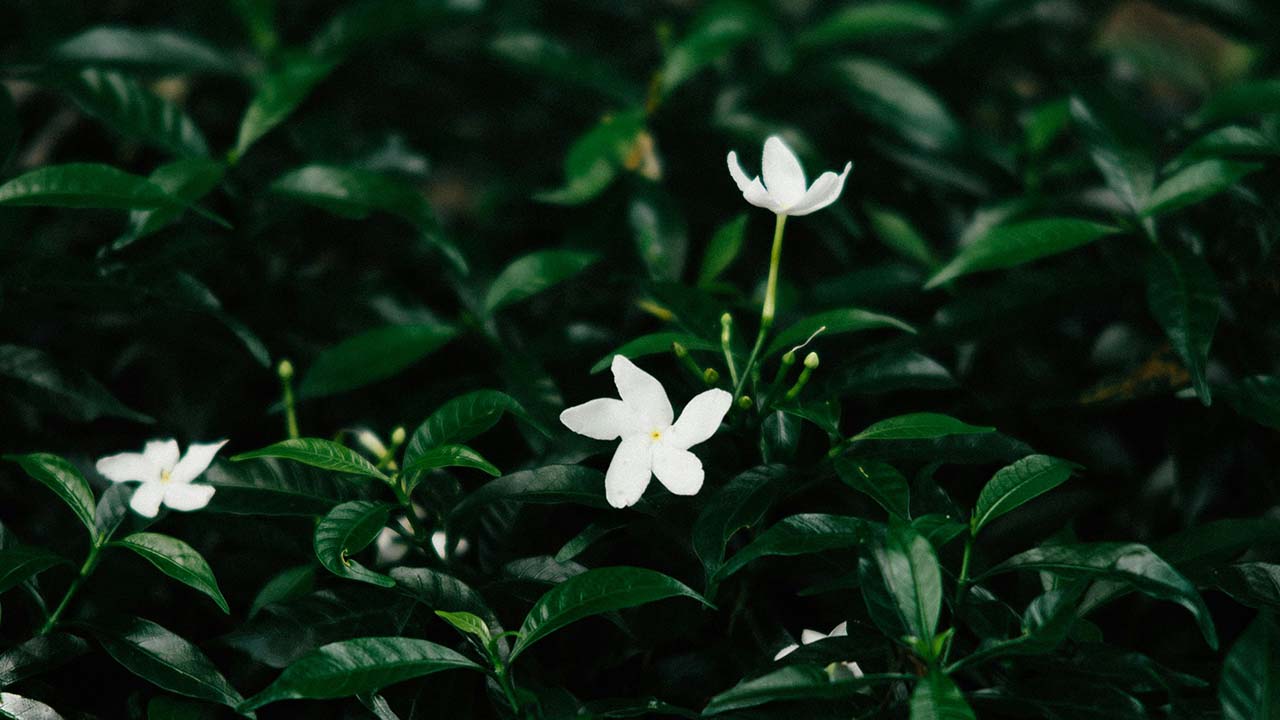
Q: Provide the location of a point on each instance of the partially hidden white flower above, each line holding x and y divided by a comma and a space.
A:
392, 546
784, 190
651, 443
843, 669
165, 477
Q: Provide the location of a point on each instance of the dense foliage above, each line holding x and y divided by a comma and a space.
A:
1013, 432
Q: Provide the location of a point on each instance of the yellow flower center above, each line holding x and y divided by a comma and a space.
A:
655, 435
165, 475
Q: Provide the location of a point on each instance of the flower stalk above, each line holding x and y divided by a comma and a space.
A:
90, 563
770, 304
285, 370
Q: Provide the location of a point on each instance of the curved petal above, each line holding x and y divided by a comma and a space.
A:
195, 462
146, 499
680, 471
758, 196
825, 190
699, 420
187, 497
125, 467
629, 471
841, 630
786, 651
643, 394
782, 173
737, 173
601, 419
162, 453
811, 636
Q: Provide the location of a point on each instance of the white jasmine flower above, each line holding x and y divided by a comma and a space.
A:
165, 477
843, 669
651, 443
392, 546
784, 190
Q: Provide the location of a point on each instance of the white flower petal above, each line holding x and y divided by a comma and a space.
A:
680, 471
699, 420
811, 636
841, 630
440, 542
642, 393
162, 453
187, 497
601, 419
126, 467
846, 670
738, 174
195, 461
146, 499
786, 651
390, 546
782, 173
825, 190
629, 471
758, 196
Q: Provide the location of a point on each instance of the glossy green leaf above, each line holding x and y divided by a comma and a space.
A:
132, 110
188, 180
836, 322
722, 250
64, 480
279, 94
740, 504
345, 531
1019, 243
1250, 685
1230, 141
877, 21
1018, 484
84, 185
1183, 295
354, 193
1117, 145
461, 419
909, 567
899, 102
21, 708
887, 373
39, 654
324, 454
596, 157
654, 344
72, 393
440, 591
542, 55
372, 356
275, 487
467, 623
936, 697
800, 535
716, 31
140, 49
19, 564
595, 592
178, 560
163, 659
529, 275
579, 543
792, 682
1241, 100
289, 584
919, 426
449, 456
1131, 563
1196, 183
351, 667
1256, 584
550, 484
358, 25
898, 234
659, 231
879, 481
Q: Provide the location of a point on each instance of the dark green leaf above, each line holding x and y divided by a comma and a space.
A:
890, 372
1257, 398
461, 419
178, 560
1250, 686
879, 481
659, 231
740, 504
1118, 148
722, 250
135, 112
271, 487
595, 592
10, 129
1256, 584
18, 564
1195, 183
165, 707
467, 623
21, 708
1183, 295
287, 585
579, 543
73, 393
279, 94
653, 344
545, 56
162, 50
188, 180
596, 157
873, 21
529, 275
800, 535
439, 591
779, 437
371, 356
715, 32
793, 682
324, 454
911, 574
1019, 243
448, 456
919, 426
163, 659
899, 235
936, 697
1244, 99
898, 102
354, 193
362, 665
40, 653
1017, 484
346, 530
64, 480
844, 320
84, 185
551, 484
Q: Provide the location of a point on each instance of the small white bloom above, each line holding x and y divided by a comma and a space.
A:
784, 190
843, 669
164, 476
651, 443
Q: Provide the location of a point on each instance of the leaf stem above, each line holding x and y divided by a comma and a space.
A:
770, 304
86, 570
285, 370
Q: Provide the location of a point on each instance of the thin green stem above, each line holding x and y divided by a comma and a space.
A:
86, 570
770, 304
286, 390
504, 682
962, 580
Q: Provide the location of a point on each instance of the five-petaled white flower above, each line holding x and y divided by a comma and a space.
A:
845, 669
164, 477
784, 190
651, 443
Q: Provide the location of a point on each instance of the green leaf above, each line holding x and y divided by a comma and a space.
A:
324, 454
163, 659
1250, 686
1183, 295
357, 666
1256, 584
73, 393
187, 180
289, 584
1230, 141
659, 231
19, 564
354, 193
899, 102
64, 480
1257, 398
875, 21
361, 24
898, 234
272, 487
21, 708
740, 504
467, 623
440, 591
544, 56
936, 697
39, 654
887, 373
448, 456
529, 275
595, 592
715, 32
135, 112
178, 560
919, 426
653, 344
166, 707
1117, 146
1195, 183
579, 543
461, 419
551, 484
836, 322
911, 574
345, 531
879, 481
792, 682
1006, 246
143, 50
722, 250
1241, 100
279, 94
800, 535
371, 356
84, 185
1131, 563
595, 159
1016, 485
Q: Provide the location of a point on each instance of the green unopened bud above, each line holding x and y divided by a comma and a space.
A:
810, 364
789, 358
811, 361
398, 436
680, 350
745, 402
285, 369
711, 376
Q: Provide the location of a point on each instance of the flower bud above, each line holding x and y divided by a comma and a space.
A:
398, 436
711, 376
811, 361
745, 402
285, 369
